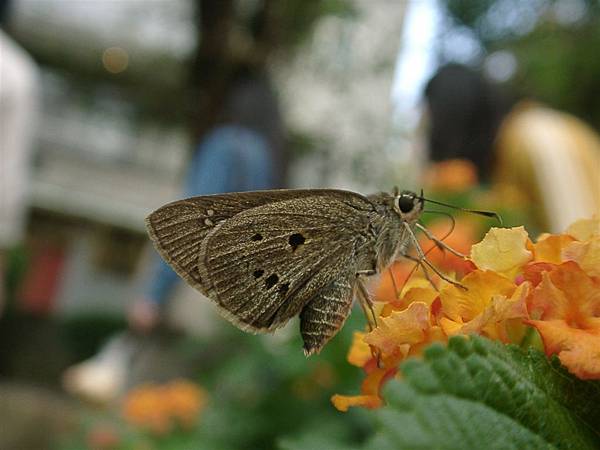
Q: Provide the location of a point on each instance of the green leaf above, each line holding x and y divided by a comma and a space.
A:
478, 393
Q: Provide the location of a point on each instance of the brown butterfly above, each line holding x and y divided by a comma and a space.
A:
264, 257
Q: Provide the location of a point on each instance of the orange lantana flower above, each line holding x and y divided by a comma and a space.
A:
566, 307
361, 355
402, 330
552, 284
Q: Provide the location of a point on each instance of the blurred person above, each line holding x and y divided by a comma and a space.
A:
532, 154
243, 152
18, 109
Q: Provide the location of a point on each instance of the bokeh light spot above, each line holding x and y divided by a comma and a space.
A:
500, 66
115, 59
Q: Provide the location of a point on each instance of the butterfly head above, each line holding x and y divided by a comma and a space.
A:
408, 205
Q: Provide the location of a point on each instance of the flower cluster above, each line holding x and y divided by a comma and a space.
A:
509, 285
161, 408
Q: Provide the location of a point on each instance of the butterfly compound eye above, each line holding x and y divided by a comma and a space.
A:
406, 203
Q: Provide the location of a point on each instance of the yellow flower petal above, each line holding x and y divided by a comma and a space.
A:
344, 402
450, 326
503, 250
462, 305
360, 352
585, 229
401, 327
492, 321
550, 247
425, 294
586, 254
432, 334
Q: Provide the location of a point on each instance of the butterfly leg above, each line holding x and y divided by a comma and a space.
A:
397, 291
441, 244
366, 273
420, 264
324, 315
425, 262
366, 303
364, 298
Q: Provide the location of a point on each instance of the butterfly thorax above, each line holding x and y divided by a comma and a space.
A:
389, 226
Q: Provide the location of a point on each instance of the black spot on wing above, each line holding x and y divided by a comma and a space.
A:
283, 288
271, 281
296, 240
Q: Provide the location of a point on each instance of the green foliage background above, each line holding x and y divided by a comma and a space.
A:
472, 394
478, 394
558, 62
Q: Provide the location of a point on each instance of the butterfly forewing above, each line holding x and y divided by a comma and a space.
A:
178, 228
265, 264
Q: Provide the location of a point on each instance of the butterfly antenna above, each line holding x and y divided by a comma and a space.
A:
493, 214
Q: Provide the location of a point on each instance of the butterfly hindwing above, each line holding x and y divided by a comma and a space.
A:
323, 316
263, 265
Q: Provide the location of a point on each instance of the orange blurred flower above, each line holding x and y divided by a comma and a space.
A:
386, 289
160, 408
184, 401
512, 283
453, 175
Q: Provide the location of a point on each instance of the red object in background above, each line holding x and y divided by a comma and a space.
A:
42, 279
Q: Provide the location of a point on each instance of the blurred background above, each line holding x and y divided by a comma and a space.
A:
110, 109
